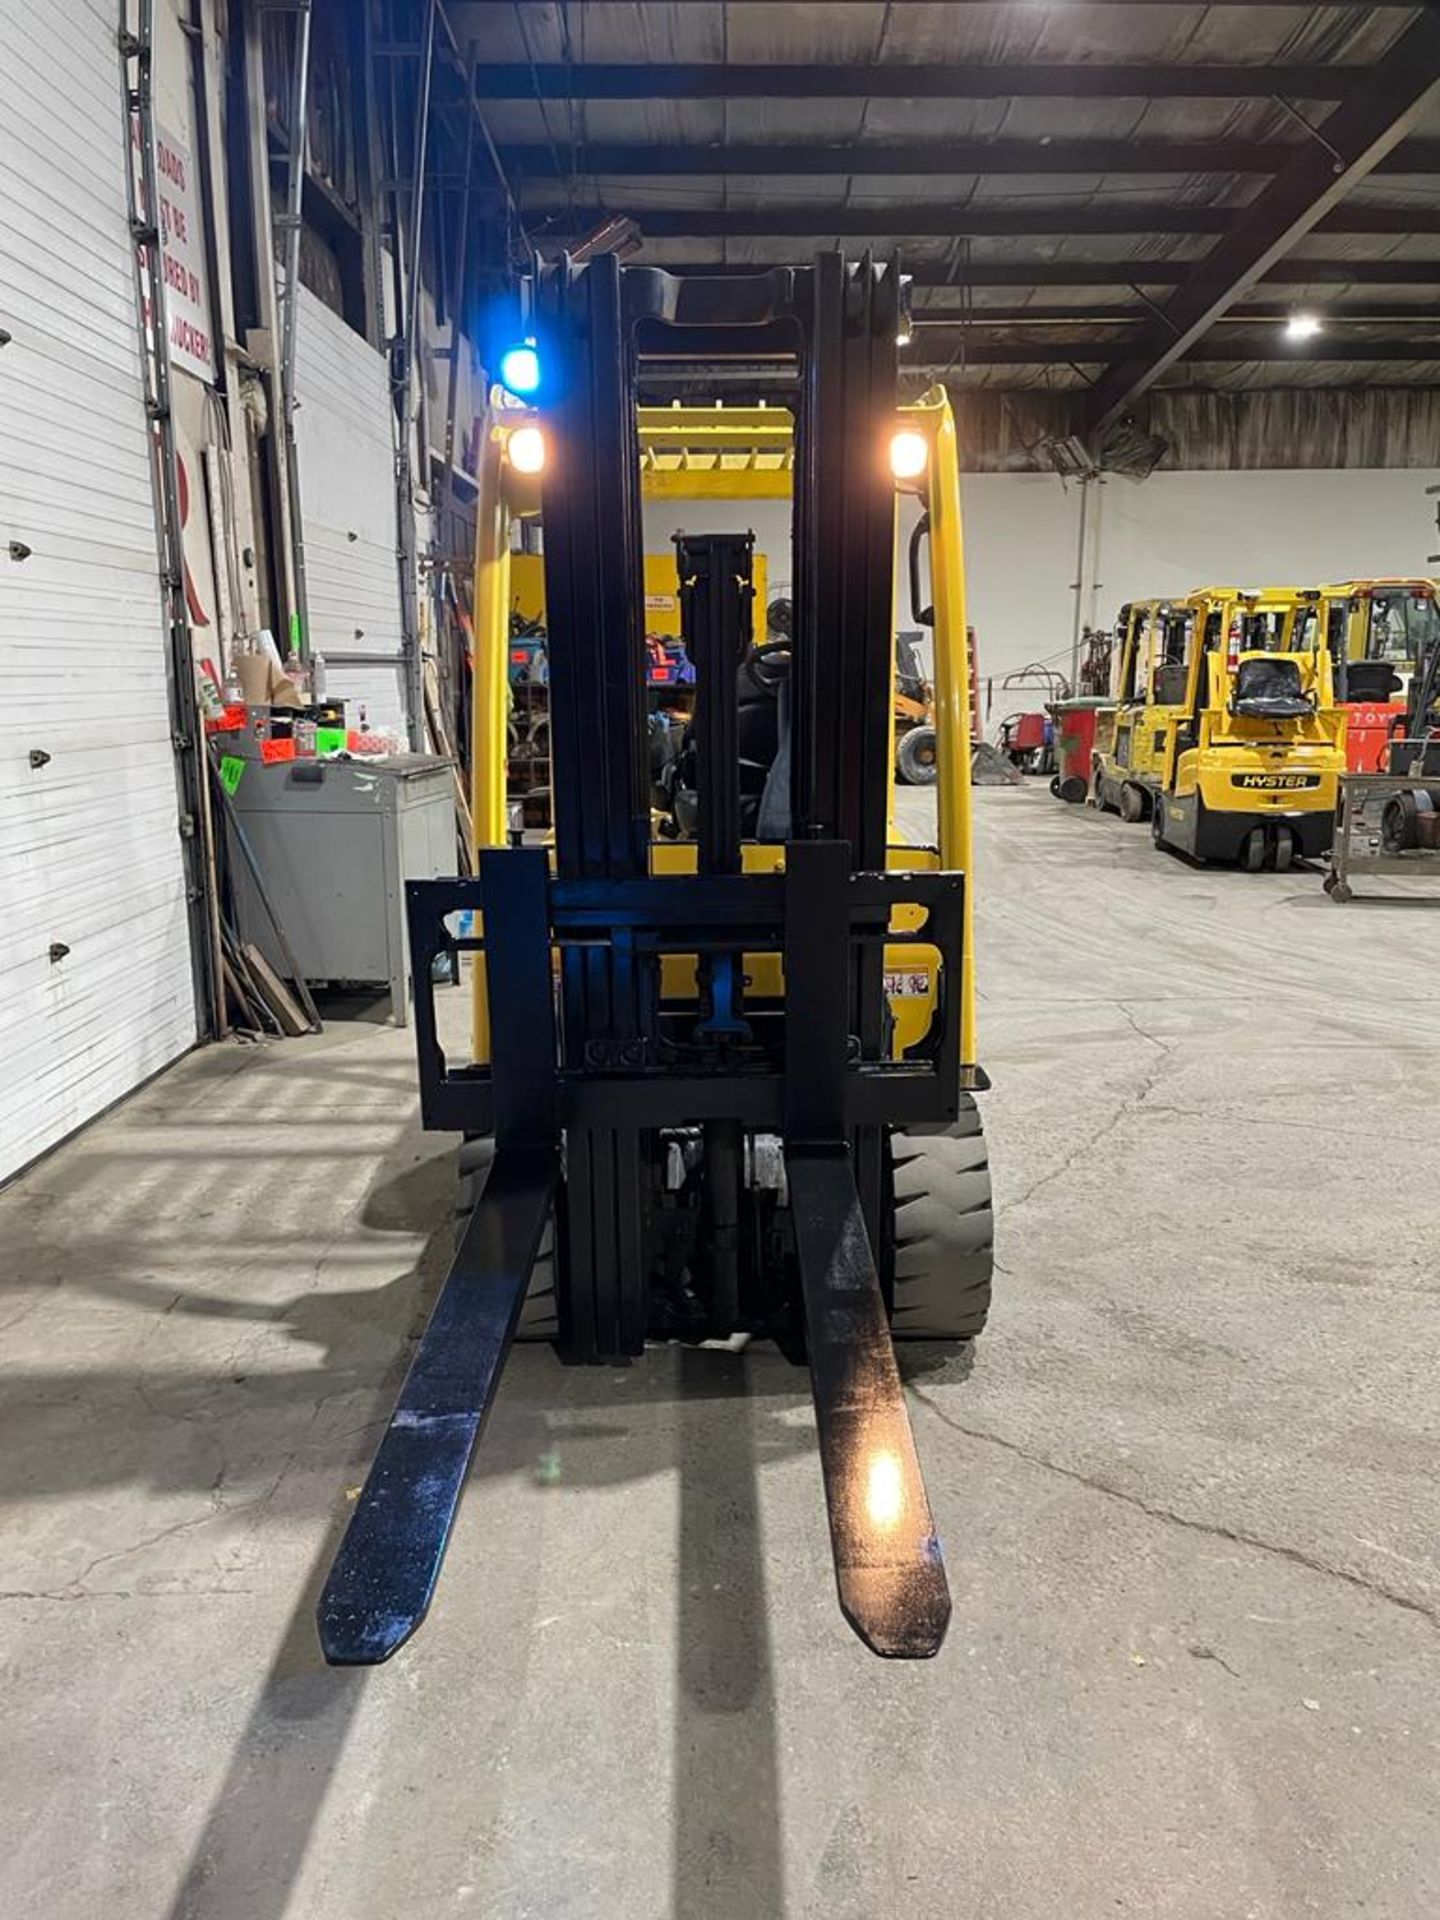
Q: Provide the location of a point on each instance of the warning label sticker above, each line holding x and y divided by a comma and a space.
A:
906, 986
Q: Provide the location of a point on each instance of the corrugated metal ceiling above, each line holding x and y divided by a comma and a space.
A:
745, 32
760, 30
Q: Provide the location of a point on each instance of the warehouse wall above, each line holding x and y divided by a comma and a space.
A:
1166, 534
1169, 533
768, 520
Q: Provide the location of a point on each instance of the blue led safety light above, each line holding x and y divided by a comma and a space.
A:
520, 369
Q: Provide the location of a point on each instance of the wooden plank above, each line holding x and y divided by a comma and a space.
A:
287, 1008
442, 743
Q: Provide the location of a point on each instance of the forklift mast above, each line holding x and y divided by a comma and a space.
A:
839, 322
714, 1164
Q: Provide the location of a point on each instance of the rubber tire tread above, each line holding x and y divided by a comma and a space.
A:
943, 1230
914, 771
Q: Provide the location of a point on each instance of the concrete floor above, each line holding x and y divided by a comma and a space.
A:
1188, 1489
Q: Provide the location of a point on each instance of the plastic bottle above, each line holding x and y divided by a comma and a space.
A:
298, 673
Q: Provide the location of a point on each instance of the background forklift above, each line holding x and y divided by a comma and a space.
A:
720, 1085
1378, 632
1226, 734
917, 739
1389, 816
917, 757
1411, 818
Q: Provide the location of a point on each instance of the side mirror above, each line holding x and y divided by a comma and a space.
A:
922, 616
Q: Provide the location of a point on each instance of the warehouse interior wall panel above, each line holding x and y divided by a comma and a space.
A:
90, 851
347, 492
1168, 534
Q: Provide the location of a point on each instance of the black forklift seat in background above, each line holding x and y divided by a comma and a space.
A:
1371, 680
1170, 683
1270, 689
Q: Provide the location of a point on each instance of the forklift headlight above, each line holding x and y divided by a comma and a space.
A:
909, 454
525, 450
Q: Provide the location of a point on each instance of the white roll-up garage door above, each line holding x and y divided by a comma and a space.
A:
345, 439
96, 987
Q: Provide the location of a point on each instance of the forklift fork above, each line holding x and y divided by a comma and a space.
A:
384, 1575
888, 1564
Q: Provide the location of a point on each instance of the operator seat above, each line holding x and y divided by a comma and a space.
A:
762, 732
762, 726
1270, 689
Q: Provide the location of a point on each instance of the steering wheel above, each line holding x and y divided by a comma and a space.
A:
764, 664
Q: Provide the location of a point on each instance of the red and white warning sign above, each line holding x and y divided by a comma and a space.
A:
182, 258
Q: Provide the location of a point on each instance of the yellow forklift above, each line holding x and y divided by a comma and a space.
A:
1227, 736
1378, 632
722, 1071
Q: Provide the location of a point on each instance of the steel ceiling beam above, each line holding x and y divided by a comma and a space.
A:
1261, 347
544, 160
717, 80
1221, 6
1356, 137
1126, 273
1370, 313
896, 223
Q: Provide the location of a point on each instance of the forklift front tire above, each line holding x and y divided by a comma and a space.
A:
942, 1230
1132, 803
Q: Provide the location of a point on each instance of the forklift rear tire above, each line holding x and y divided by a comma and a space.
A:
917, 759
942, 1230
539, 1316
1132, 803
1252, 850
1284, 850
1157, 825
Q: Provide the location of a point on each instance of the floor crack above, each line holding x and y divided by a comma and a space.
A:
1148, 1083
1211, 1529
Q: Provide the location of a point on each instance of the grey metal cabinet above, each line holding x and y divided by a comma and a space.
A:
335, 841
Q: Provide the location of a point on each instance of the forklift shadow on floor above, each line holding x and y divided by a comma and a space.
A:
726, 1809
733, 1424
